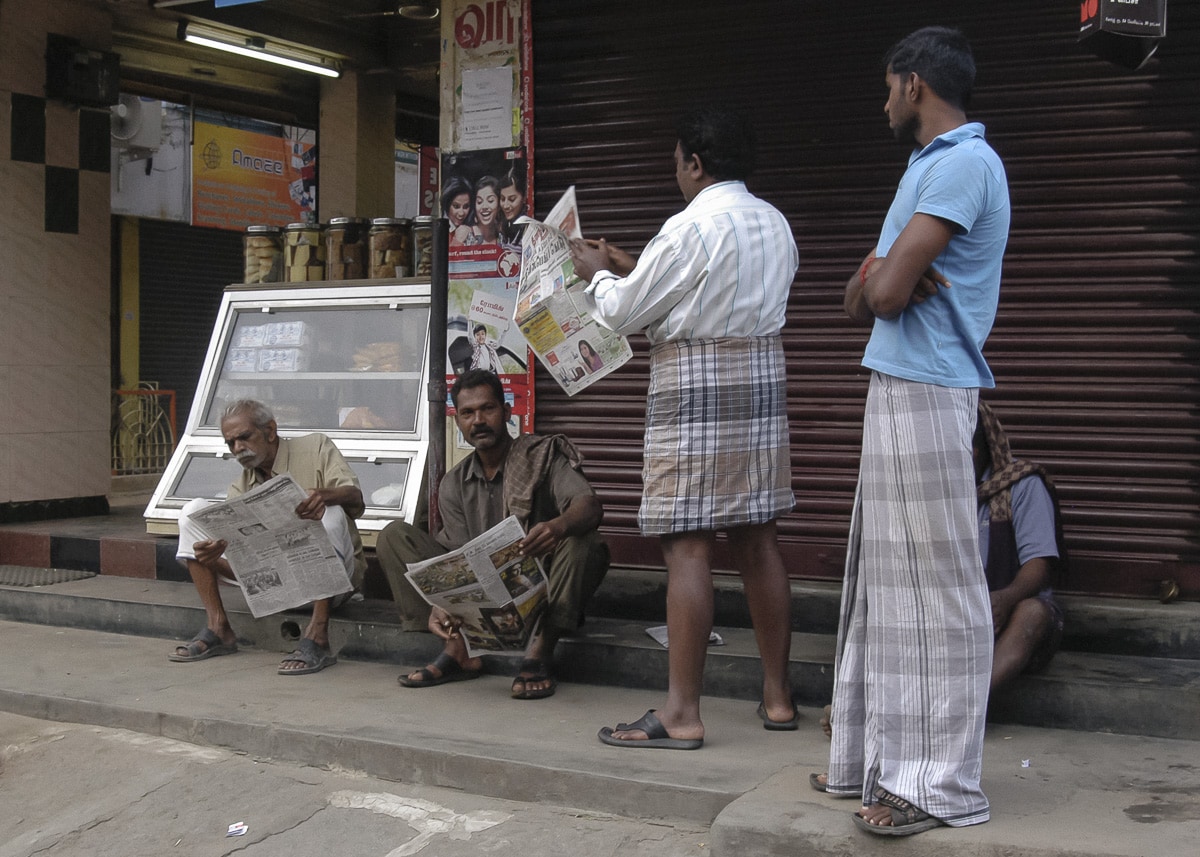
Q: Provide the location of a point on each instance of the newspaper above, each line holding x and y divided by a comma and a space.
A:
281, 560
497, 593
569, 342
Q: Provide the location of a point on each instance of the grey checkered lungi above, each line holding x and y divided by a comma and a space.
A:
914, 649
717, 450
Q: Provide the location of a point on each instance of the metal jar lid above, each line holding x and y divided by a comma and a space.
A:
263, 230
424, 220
390, 221
302, 227
346, 221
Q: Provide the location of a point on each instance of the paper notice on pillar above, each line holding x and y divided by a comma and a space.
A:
577, 351
487, 108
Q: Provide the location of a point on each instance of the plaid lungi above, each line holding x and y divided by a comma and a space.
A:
717, 449
914, 650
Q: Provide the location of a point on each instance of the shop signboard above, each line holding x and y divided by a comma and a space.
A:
243, 176
1125, 32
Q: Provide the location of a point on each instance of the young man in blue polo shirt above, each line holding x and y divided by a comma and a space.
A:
915, 636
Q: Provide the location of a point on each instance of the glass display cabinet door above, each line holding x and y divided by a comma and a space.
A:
339, 368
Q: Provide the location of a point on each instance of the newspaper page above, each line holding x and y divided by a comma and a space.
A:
498, 594
281, 560
577, 351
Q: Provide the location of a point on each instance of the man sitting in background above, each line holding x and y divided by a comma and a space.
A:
1020, 543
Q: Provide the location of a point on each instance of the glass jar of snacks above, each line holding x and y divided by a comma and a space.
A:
422, 245
303, 253
262, 250
390, 246
346, 249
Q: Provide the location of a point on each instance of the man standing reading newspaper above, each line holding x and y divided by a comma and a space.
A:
710, 291
538, 480
334, 499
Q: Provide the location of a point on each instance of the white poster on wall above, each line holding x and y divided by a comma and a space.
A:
408, 179
487, 108
149, 160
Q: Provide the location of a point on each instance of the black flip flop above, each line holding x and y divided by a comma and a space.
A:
779, 725
450, 671
538, 673
656, 736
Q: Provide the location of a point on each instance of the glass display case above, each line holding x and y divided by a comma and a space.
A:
345, 359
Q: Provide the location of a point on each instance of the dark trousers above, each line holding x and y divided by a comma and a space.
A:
574, 571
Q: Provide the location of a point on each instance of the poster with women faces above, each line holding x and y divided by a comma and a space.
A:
483, 193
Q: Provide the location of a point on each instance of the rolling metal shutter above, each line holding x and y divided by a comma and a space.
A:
184, 272
1095, 347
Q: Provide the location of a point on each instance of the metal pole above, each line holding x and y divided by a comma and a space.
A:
439, 289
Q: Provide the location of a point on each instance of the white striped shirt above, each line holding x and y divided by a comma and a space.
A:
722, 267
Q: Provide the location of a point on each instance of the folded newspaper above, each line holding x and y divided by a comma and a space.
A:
659, 633
569, 342
281, 560
497, 594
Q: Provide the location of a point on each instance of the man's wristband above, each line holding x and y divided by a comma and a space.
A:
862, 271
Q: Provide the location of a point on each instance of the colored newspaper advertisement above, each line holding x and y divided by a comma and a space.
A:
577, 351
496, 593
280, 560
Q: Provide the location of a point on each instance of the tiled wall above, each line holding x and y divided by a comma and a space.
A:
55, 276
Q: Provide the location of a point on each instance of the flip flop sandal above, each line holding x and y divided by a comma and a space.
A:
448, 670
538, 673
656, 735
907, 819
213, 647
814, 780
779, 725
315, 658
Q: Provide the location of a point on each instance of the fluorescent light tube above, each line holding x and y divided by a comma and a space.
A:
258, 49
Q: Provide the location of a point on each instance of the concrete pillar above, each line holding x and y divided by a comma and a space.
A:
357, 148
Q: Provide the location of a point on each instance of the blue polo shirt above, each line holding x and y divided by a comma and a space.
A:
959, 178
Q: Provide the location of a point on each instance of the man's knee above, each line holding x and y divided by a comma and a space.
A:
398, 544
188, 532
587, 553
1031, 620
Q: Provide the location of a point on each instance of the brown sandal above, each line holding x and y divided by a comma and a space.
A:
907, 818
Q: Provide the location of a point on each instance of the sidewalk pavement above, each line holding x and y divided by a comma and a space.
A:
1053, 792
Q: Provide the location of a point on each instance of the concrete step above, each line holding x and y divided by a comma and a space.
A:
1134, 695
1054, 793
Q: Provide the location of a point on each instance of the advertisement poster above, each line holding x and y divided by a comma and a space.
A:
486, 184
483, 194
243, 176
481, 334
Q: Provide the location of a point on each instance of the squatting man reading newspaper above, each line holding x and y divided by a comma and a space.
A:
334, 499
538, 480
